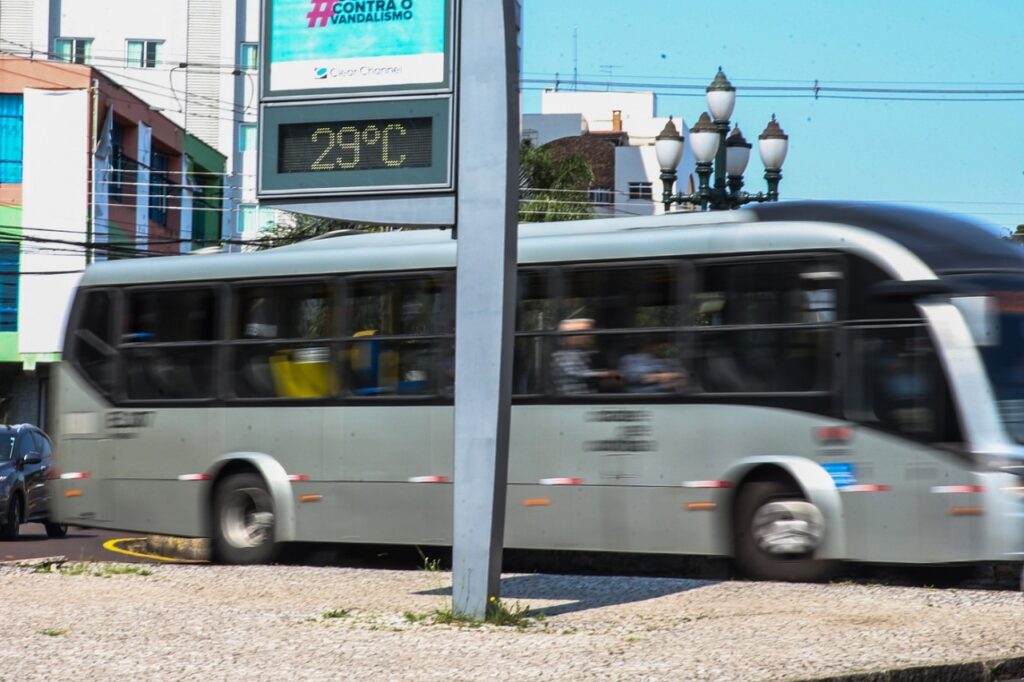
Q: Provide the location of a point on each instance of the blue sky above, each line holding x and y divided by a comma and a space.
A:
960, 156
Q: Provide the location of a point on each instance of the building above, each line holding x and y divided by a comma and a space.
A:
87, 171
194, 60
615, 131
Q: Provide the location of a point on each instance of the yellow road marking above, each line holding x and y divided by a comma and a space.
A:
111, 546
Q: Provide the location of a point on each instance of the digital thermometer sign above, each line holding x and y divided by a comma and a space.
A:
357, 100
356, 147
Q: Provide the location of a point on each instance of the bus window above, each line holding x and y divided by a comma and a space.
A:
536, 313
92, 346
168, 345
280, 347
400, 337
767, 326
897, 384
617, 332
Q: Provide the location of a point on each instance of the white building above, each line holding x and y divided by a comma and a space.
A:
625, 119
193, 60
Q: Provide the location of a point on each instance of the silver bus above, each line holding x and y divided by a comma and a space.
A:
789, 385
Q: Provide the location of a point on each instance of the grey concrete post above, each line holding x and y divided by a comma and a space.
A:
487, 193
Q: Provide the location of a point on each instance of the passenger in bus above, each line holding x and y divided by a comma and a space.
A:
652, 369
573, 365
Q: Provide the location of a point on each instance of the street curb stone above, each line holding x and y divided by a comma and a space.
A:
193, 549
998, 670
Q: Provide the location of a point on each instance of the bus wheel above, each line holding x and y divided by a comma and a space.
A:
777, 532
55, 530
12, 519
243, 521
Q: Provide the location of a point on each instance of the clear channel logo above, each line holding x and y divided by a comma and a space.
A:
320, 73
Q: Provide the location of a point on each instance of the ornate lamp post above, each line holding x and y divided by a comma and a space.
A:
715, 153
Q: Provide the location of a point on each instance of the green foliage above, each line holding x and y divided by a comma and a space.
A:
337, 613
297, 227
103, 570
553, 189
514, 615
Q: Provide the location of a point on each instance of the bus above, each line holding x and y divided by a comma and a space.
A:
789, 385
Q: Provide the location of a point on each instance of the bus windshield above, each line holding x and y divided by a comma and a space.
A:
1002, 349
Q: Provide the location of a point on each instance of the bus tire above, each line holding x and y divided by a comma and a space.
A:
243, 521
55, 530
776, 532
11, 526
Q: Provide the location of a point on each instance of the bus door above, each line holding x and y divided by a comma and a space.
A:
897, 393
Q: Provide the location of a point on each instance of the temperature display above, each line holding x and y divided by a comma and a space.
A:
388, 143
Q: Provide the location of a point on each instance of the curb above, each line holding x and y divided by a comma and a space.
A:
995, 670
191, 549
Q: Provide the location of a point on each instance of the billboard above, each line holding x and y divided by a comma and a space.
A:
345, 47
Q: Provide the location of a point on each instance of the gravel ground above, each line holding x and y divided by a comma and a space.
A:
268, 622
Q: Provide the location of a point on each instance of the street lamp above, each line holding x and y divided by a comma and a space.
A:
717, 151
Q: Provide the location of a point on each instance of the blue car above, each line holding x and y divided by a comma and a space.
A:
26, 460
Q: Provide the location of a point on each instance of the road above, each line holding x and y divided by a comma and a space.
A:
80, 544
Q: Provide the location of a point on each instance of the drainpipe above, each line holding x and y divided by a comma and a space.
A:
89, 226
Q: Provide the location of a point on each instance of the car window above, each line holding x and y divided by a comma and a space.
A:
7, 439
41, 444
44, 445
24, 445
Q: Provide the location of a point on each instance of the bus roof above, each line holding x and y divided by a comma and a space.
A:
942, 242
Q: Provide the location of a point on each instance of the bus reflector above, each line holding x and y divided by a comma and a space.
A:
72, 493
707, 484
561, 481
298, 478
429, 479
958, 489
536, 502
75, 475
834, 434
700, 506
966, 511
310, 498
195, 477
865, 488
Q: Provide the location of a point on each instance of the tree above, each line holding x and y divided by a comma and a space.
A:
298, 227
552, 188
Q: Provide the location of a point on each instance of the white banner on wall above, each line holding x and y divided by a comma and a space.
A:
145, 157
55, 201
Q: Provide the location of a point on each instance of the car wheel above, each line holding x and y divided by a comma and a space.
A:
243, 521
12, 520
56, 530
777, 532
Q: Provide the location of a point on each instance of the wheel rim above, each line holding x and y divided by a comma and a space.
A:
788, 527
247, 518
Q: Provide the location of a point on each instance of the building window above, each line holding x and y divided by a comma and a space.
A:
247, 137
144, 54
73, 50
600, 195
12, 129
640, 190
250, 57
255, 218
159, 188
9, 257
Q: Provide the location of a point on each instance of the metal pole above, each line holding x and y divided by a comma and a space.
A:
487, 184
